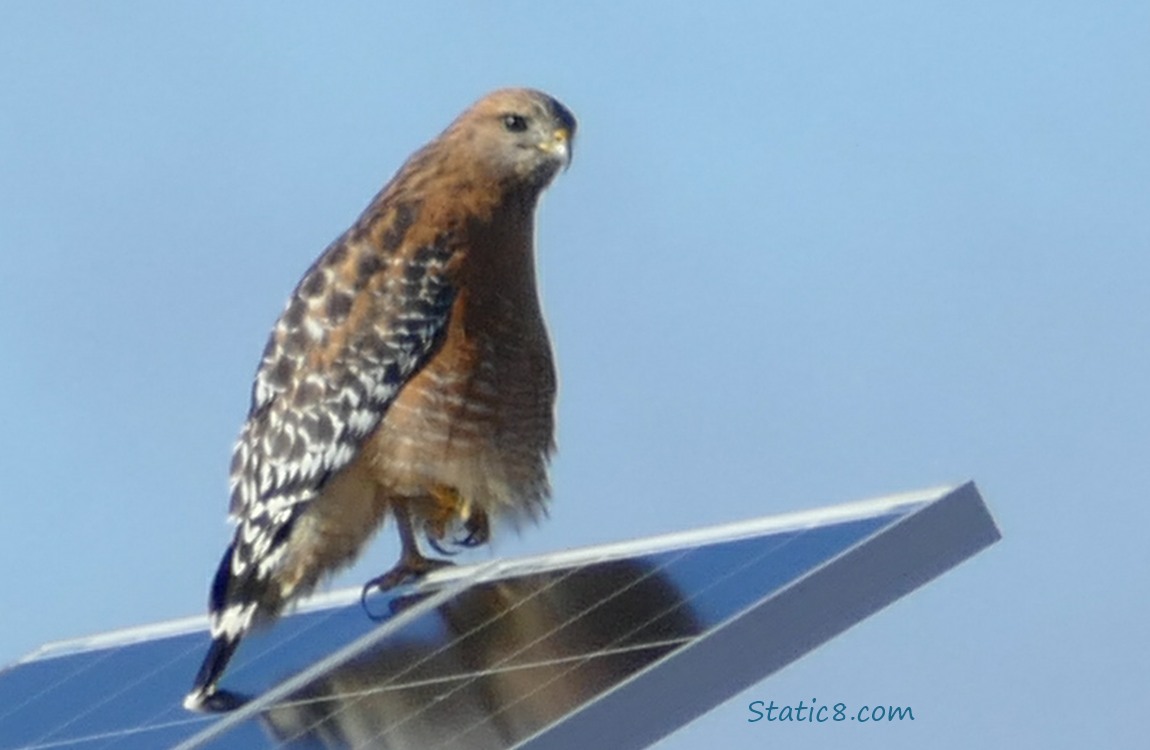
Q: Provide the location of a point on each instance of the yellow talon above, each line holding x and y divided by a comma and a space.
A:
447, 507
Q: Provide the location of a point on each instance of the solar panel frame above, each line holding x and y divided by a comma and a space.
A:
862, 580
903, 542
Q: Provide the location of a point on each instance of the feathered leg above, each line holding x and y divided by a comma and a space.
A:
412, 563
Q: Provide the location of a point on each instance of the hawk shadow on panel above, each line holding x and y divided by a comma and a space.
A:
507, 659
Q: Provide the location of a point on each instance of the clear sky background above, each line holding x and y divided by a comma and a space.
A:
807, 253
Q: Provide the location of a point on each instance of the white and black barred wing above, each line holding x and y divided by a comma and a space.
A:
359, 325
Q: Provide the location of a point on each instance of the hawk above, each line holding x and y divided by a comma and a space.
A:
410, 375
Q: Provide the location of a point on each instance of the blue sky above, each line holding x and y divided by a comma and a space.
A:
806, 254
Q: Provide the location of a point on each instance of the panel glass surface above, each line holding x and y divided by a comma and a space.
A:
484, 669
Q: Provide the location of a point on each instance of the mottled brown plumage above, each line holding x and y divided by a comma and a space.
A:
410, 375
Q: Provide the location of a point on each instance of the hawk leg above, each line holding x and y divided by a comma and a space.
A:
412, 563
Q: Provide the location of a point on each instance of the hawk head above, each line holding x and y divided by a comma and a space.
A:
521, 135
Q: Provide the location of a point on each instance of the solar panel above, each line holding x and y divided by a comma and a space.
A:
621, 643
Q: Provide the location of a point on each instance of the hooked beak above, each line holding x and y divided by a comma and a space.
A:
559, 145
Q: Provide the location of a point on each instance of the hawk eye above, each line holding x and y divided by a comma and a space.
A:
515, 123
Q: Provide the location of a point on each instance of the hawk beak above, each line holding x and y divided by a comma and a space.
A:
559, 145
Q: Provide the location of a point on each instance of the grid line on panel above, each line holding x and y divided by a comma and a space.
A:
479, 673
393, 684
52, 686
576, 661
686, 600
272, 645
233, 719
107, 735
480, 656
895, 554
151, 723
45, 740
194, 648
580, 660
428, 657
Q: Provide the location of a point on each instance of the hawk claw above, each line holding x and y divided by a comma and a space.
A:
435, 545
405, 571
478, 532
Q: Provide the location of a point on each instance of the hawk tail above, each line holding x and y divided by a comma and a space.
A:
230, 620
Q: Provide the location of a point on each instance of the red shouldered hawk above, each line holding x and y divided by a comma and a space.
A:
410, 374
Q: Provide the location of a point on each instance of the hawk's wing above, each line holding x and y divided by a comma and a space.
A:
362, 321
335, 361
